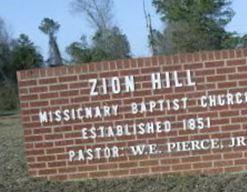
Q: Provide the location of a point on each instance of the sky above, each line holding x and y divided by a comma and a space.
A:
24, 16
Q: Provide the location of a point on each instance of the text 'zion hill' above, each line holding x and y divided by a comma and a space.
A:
116, 85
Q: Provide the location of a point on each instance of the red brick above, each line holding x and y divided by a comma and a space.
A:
193, 67
216, 78
58, 87
56, 164
227, 84
98, 174
38, 89
115, 173
226, 70
23, 91
161, 169
242, 69
48, 81
182, 167
214, 64
36, 165
46, 158
88, 168
59, 101
35, 152
241, 162
39, 104
224, 163
47, 171
27, 83
48, 95
53, 136
78, 176
128, 165
149, 163
67, 170
42, 130
202, 165
236, 62
29, 97
68, 78
48, 145
33, 138
69, 93
139, 171
108, 166
234, 169
59, 177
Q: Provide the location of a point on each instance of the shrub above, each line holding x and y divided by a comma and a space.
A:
8, 97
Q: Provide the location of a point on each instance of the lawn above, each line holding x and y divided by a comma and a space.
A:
14, 177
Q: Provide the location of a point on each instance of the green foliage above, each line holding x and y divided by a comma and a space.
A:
194, 25
4, 50
232, 41
79, 53
8, 96
20, 54
108, 44
24, 55
244, 41
204, 12
49, 26
5, 56
113, 42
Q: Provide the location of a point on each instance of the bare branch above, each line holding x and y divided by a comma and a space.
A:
97, 12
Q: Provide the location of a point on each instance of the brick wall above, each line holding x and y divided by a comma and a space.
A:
48, 144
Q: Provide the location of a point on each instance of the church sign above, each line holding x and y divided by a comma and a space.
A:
185, 113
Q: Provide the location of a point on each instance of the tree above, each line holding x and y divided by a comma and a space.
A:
17, 55
24, 55
194, 25
113, 43
80, 51
244, 39
97, 12
20, 55
50, 27
4, 37
4, 51
108, 42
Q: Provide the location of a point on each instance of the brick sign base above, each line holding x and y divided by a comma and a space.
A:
185, 113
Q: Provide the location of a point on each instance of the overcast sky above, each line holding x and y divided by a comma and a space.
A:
24, 16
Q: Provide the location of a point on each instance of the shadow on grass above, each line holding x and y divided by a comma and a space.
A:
8, 113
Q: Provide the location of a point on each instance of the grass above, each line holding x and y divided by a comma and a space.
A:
14, 177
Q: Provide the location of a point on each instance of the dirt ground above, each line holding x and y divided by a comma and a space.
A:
14, 177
